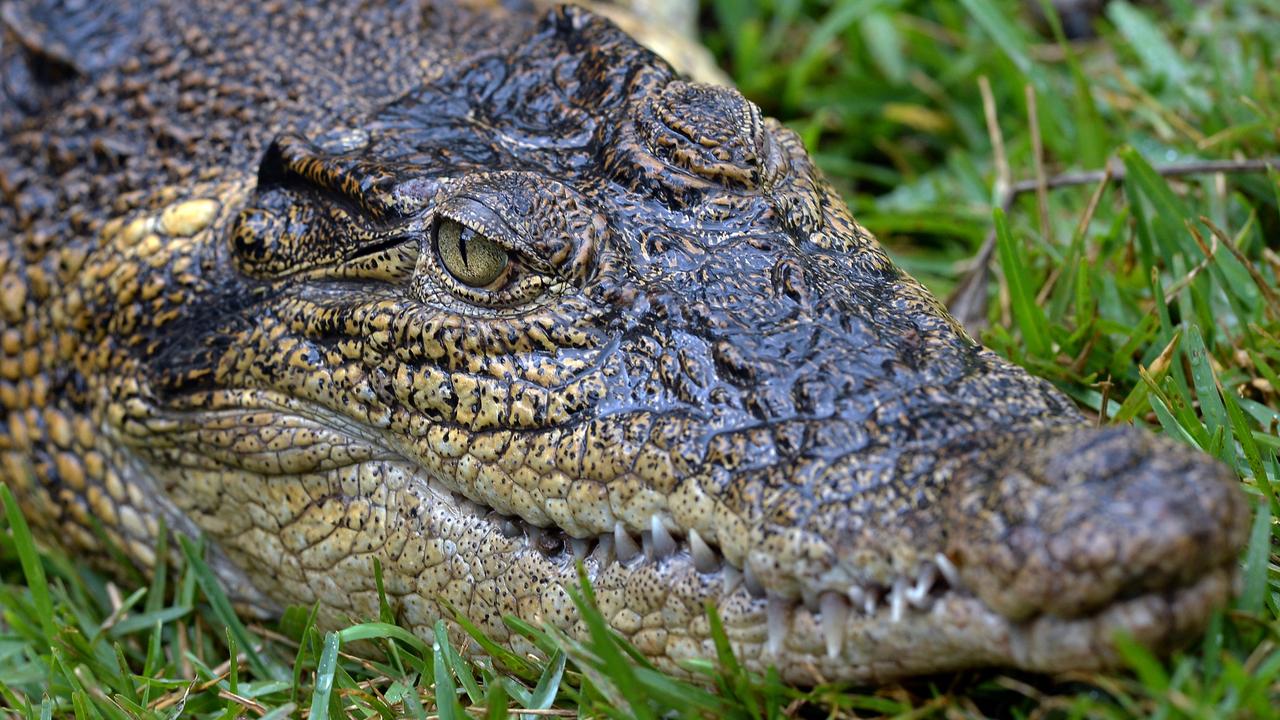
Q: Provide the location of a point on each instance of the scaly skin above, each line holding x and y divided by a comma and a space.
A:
226, 307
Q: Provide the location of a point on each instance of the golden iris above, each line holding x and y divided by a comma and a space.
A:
470, 257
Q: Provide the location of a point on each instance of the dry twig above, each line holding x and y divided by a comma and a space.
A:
968, 302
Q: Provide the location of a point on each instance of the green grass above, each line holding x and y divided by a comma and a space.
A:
1156, 304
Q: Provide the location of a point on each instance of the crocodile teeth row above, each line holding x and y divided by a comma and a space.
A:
832, 609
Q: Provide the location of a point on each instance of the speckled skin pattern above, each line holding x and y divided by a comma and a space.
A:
225, 309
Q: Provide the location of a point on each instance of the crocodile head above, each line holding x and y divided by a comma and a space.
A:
555, 303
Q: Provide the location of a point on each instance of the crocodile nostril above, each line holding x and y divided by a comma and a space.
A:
1065, 531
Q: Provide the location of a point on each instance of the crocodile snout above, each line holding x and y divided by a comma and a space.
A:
1075, 521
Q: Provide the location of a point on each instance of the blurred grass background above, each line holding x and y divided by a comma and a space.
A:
1152, 300
886, 95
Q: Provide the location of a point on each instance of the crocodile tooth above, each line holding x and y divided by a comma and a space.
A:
663, 543
704, 558
466, 507
580, 547
508, 527
835, 615
776, 612
624, 544
948, 570
546, 541
603, 553
753, 583
732, 579
863, 598
897, 600
1019, 648
918, 594
858, 598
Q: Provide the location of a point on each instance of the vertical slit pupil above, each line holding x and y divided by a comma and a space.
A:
469, 256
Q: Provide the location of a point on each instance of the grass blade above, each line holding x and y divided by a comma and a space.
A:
1255, 563
446, 692
1027, 312
224, 612
32, 568
1148, 42
320, 695
549, 684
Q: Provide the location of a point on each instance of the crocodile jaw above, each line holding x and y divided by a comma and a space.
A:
440, 553
313, 538
956, 631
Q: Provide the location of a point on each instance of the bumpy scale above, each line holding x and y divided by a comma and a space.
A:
477, 293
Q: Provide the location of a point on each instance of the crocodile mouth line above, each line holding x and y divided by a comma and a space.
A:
908, 601
935, 586
832, 609
661, 542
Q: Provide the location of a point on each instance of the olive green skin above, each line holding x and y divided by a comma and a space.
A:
227, 311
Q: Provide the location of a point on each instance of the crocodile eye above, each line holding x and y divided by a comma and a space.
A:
470, 257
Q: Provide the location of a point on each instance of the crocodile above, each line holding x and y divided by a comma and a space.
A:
487, 294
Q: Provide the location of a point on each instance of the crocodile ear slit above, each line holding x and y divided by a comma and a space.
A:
292, 160
316, 214
271, 168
